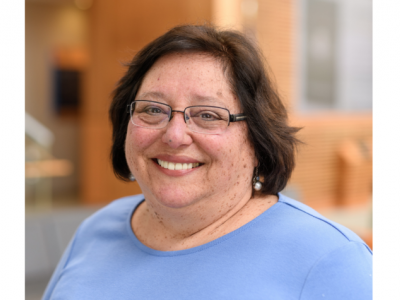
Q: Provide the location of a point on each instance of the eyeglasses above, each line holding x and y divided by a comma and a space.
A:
200, 118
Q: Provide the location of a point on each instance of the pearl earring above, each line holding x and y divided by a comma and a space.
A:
131, 177
257, 185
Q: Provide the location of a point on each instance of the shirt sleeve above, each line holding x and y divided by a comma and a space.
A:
345, 273
58, 271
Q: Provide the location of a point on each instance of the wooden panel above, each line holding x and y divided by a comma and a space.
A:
318, 170
227, 14
275, 35
118, 30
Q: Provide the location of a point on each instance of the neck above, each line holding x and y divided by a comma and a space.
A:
168, 229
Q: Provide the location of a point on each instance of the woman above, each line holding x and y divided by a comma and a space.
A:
198, 124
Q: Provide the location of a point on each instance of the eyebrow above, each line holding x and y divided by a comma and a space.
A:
152, 95
196, 99
213, 100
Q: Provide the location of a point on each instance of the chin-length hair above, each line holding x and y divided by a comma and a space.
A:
273, 139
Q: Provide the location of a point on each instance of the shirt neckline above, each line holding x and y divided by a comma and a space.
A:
199, 248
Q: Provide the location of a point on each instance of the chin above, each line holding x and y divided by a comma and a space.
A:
173, 198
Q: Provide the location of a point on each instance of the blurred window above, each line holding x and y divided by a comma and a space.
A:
321, 57
336, 38
67, 91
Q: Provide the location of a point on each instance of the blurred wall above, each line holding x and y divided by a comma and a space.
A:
299, 39
118, 33
119, 29
280, 29
334, 165
50, 26
333, 102
276, 36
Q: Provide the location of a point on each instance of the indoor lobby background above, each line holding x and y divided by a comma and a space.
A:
319, 52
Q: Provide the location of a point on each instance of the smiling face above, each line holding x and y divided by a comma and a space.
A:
219, 167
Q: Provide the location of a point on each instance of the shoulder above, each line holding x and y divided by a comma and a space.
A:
344, 273
110, 223
315, 226
119, 205
337, 263
298, 233
95, 232
116, 213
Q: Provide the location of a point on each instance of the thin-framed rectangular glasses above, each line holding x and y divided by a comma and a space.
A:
198, 118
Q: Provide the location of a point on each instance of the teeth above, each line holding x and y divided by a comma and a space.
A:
178, 166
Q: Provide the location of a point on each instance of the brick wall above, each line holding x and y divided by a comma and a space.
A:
322, 162
334, 166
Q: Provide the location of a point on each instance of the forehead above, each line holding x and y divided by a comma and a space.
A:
197, 78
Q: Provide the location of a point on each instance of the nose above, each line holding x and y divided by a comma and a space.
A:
176, 133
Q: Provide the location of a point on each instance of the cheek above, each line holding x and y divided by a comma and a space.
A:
242, 158
234, 152
137, 141
140, 138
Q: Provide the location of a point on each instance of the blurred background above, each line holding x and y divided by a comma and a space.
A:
319, 52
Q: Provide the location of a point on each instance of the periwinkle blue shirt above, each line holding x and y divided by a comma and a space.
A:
288, 252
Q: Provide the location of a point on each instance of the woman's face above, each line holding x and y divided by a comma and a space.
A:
226, 161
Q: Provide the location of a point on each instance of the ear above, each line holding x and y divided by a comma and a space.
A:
255, 161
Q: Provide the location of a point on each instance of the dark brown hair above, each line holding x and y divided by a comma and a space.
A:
273, 139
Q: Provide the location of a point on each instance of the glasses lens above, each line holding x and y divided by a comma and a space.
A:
150, 114
207, 119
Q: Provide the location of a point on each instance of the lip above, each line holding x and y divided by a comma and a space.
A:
176, 159
175, 173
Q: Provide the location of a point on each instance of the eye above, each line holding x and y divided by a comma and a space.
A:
153, 110
208, 116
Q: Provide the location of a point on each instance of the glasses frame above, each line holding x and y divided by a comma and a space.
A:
232, 117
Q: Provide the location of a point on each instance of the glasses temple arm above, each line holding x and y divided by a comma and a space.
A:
237, 118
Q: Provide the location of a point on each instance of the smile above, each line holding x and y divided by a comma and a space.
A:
177, 166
